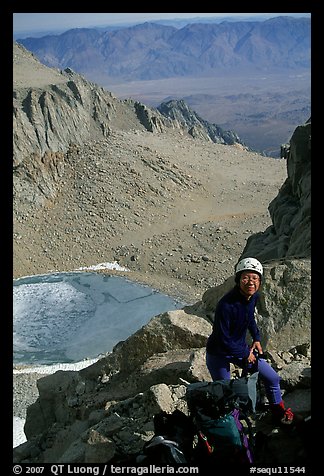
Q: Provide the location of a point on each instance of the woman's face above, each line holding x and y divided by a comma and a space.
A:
249, 283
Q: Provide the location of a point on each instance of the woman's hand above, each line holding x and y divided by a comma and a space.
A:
257, 346
251, 358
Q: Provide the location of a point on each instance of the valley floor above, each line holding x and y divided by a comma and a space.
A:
177, 213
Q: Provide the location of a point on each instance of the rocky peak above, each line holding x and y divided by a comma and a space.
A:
63, 110
179, 111
290, 232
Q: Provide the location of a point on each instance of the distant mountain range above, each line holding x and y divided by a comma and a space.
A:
154, 51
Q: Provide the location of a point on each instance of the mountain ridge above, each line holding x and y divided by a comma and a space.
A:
152, 64
150, 51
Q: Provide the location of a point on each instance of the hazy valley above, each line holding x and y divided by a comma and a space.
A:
262, 109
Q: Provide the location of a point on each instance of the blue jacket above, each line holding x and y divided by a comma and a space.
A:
234, 316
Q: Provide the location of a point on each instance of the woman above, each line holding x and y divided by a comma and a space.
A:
234, 316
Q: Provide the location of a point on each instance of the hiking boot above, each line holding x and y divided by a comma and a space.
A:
288, 417
280, 414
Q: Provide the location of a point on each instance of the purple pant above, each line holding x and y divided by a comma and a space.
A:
219, 369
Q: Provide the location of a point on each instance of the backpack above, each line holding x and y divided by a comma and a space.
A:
222, 395
161, 451
172, 441
217, 428
227, 439
220, 411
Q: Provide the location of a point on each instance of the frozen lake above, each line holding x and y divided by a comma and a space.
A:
68, 317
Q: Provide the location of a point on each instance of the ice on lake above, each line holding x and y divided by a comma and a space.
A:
68, 317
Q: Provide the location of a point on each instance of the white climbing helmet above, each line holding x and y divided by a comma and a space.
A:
249, 264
